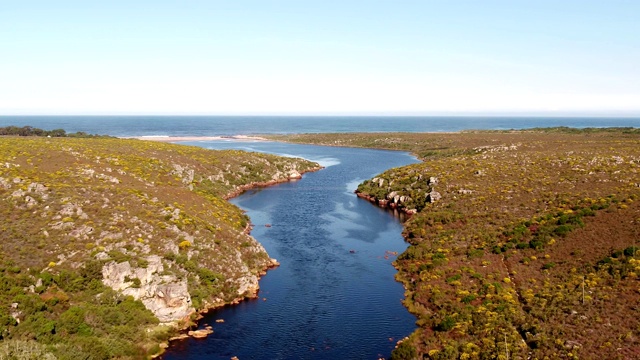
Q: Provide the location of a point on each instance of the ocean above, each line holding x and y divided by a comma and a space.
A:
129, 126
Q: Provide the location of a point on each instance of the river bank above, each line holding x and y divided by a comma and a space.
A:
334, 250
188, 327
164, 138
530, 243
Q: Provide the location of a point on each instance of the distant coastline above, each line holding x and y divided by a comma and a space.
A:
232, 126
166, 138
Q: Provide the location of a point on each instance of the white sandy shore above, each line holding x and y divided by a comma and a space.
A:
198, 138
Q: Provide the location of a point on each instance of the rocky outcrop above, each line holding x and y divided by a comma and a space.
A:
278, 177
433, 196
200, 333
164, 295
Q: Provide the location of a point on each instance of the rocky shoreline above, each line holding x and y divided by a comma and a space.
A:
292, 176
385, 203
187, 324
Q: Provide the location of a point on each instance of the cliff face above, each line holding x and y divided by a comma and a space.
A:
146, 220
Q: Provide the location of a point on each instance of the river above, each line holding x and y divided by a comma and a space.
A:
334, 295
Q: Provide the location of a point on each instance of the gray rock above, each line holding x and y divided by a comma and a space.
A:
4, 183
31, 202
165, 296
81, 231
433, 196
18, 193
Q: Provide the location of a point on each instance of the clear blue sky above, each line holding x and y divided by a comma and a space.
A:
320, 57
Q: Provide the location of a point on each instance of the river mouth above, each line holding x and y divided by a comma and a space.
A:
334, 295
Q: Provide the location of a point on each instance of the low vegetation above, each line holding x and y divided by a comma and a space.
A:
524, 244
31, 131
104, 241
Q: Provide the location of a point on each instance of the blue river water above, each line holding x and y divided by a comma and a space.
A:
334, 295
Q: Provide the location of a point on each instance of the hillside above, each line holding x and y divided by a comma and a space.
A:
523, 244
104, 241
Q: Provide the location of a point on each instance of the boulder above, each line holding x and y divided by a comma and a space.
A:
200, 333
433, 196
294, 174
31, 202
248, 285
4, 183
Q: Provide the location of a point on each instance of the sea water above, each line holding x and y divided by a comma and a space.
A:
125, 126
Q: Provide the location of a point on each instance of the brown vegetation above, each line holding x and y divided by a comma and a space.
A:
532, 249
72, 208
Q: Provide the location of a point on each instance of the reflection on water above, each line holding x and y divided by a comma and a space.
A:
334, 295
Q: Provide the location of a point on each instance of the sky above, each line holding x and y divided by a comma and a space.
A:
298, 57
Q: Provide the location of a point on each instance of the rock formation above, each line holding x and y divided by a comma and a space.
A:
164, 295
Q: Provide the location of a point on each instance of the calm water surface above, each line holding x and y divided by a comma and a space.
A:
334, 295
248, 125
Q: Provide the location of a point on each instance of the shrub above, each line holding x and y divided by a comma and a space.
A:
469, 298
72, 321
404, 351
630, 251
563, 230
209, 277
446, 324
24, 350
454, 278
548, 266
184, 244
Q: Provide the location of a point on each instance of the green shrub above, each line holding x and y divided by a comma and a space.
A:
446, 324
404, 351
630, 251
72, 321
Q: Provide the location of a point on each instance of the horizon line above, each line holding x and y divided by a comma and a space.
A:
459, 115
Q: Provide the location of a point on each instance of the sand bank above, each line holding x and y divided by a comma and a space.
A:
199, 138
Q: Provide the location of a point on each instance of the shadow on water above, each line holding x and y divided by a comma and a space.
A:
334, 295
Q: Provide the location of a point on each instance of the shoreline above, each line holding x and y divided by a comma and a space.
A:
188, 322
165, 138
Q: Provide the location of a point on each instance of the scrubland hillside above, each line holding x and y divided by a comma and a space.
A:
104, 241
523, 244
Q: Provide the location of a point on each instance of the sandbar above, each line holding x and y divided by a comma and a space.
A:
164, 138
